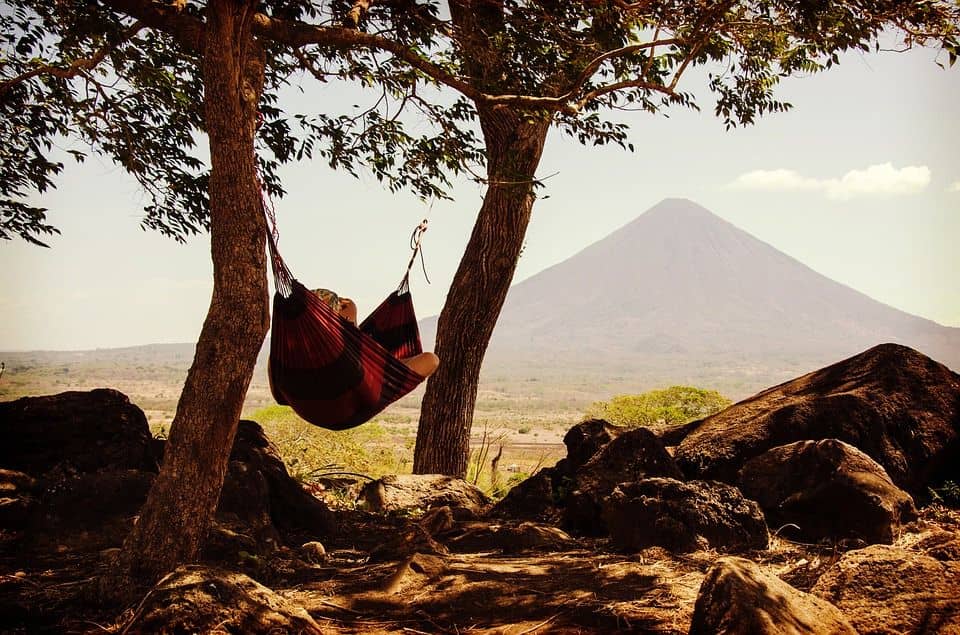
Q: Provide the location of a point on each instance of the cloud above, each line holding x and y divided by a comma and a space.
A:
954, 187
876, 180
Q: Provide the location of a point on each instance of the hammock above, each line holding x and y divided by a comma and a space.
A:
333, 374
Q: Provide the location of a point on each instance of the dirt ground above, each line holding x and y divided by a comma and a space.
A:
49, 588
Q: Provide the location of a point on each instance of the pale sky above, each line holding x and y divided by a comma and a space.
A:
860, 181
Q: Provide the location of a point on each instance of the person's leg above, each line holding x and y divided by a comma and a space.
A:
423, 364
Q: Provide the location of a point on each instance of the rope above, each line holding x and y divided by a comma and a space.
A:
415, 238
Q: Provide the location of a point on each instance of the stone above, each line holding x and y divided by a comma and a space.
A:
420, 492
885, 589
532, 499
314, 551
829, 489
289, 506
896, 405
683, 516
199, 599
631, 456
82, 431
736, 597
586, 438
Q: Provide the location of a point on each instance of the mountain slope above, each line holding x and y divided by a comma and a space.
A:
681, 283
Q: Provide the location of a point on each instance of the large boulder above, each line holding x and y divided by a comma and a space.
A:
259, 488
632, 455
197, 599
421, 492
586, 438
883, 589
898, 406
535, 498
83, 463
736, 597
80, 431
683, 516
828, 489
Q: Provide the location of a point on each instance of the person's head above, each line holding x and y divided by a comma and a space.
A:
329, 298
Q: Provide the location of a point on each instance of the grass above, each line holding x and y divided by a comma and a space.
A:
310, 452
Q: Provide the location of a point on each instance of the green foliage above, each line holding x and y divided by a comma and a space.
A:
124, 79
310, 452
659, 408
947, 494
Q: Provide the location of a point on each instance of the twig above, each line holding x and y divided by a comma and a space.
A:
539, 626
341, 608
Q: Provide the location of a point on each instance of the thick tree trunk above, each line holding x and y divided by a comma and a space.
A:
181, 504
514, 143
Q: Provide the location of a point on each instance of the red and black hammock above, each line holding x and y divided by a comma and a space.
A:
333, 374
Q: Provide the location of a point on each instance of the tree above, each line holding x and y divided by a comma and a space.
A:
532, 65
137, 80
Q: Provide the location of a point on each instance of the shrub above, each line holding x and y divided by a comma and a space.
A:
659, 408
309, 451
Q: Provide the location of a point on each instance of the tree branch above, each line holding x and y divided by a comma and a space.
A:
186, 29
77, 67
298, 34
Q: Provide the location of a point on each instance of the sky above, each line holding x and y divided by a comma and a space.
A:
860, 181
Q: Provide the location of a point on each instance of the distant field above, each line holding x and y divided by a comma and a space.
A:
525, 407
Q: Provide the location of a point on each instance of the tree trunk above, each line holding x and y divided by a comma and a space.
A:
182, 502
514, 143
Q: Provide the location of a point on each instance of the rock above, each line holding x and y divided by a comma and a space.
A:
736, 596
197, 599
437, 520
85, 501
314, 551
898, 406
82, 431
411, 539
941, 545
289, 506
532, 499
412, 492
883, 589
17, 500
631, 456
245, 506
829, 489
683, 516
586, 438
14, 483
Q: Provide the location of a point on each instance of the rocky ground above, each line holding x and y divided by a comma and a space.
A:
804, 509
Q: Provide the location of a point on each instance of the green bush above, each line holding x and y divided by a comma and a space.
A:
947, 494
659, 408
309, 451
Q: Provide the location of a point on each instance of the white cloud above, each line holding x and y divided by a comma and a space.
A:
876, 180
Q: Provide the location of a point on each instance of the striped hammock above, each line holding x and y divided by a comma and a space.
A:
332, 373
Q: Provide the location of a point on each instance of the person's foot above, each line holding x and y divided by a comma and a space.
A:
424, 364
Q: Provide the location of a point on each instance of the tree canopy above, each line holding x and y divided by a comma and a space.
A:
119, 76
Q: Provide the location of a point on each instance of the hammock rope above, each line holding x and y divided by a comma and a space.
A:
332, 373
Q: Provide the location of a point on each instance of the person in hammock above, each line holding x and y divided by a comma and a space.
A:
424, 364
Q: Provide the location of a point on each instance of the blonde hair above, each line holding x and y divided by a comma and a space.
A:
330, 298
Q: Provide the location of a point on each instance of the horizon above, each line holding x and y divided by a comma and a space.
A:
859, 186
655, 208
